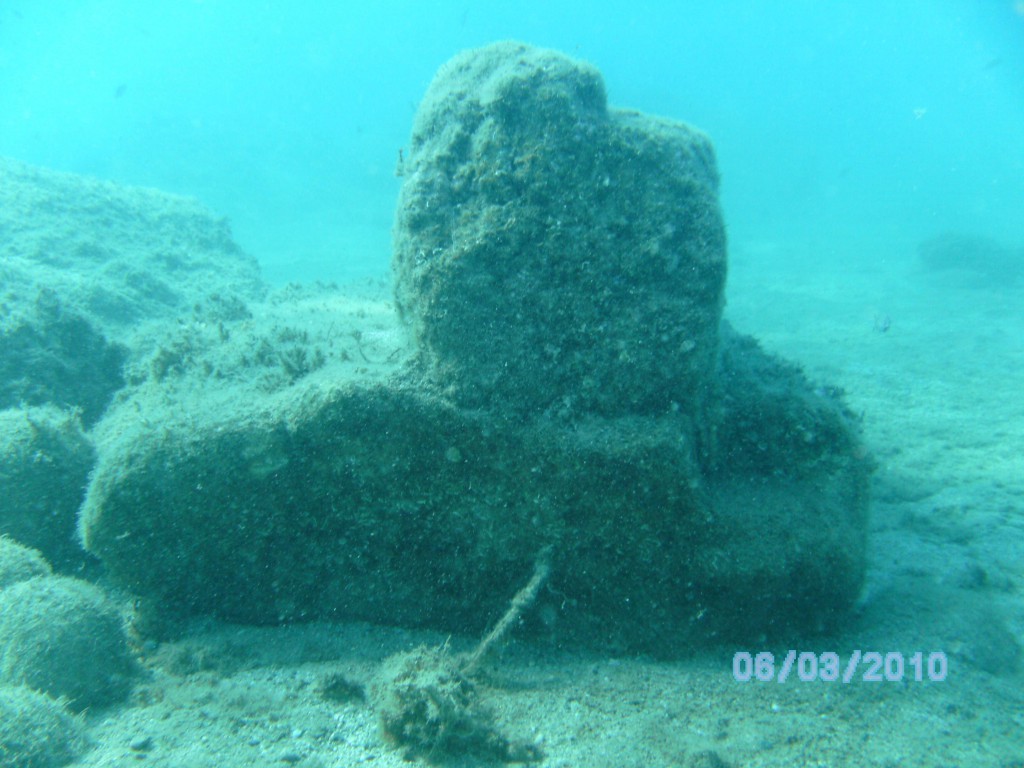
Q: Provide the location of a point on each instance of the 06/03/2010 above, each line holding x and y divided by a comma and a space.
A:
827, 667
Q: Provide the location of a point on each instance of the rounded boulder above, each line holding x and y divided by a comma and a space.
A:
64, 637
36, 731
19, 563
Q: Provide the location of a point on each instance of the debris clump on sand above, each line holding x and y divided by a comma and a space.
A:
428, 704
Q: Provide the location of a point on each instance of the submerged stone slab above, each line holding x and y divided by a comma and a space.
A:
384, 501
369, 501
552, 254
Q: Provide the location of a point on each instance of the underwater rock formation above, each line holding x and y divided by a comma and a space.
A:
570, 388
91, 275
37, 731
113, 255
88, 269
552, 255
66, 638
45, 460
20, 563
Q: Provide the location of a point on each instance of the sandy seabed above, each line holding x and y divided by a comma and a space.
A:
936, 366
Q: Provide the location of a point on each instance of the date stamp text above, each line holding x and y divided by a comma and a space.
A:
829, 667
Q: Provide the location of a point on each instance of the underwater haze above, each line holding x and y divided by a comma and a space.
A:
872, 121
685, 431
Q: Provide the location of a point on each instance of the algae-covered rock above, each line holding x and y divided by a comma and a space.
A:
20, 563
115, 255
552, 254
570, 390
45, 460
386, 502
64, 637
36, 731
53, 354
89, 272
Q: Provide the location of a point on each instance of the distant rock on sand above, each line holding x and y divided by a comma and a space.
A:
980, 261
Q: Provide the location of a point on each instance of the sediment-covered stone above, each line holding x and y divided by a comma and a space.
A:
570, 389
64, 637
386, 502
45, 460
552, 254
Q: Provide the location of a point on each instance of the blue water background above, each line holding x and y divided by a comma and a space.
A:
834, 122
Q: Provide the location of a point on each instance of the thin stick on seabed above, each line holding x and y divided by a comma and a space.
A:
524, 599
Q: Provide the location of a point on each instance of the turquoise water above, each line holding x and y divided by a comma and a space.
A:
872, 179
869, 119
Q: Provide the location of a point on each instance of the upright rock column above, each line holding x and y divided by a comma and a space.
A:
552, 255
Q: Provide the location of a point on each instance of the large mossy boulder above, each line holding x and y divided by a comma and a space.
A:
386, 502
570, 388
